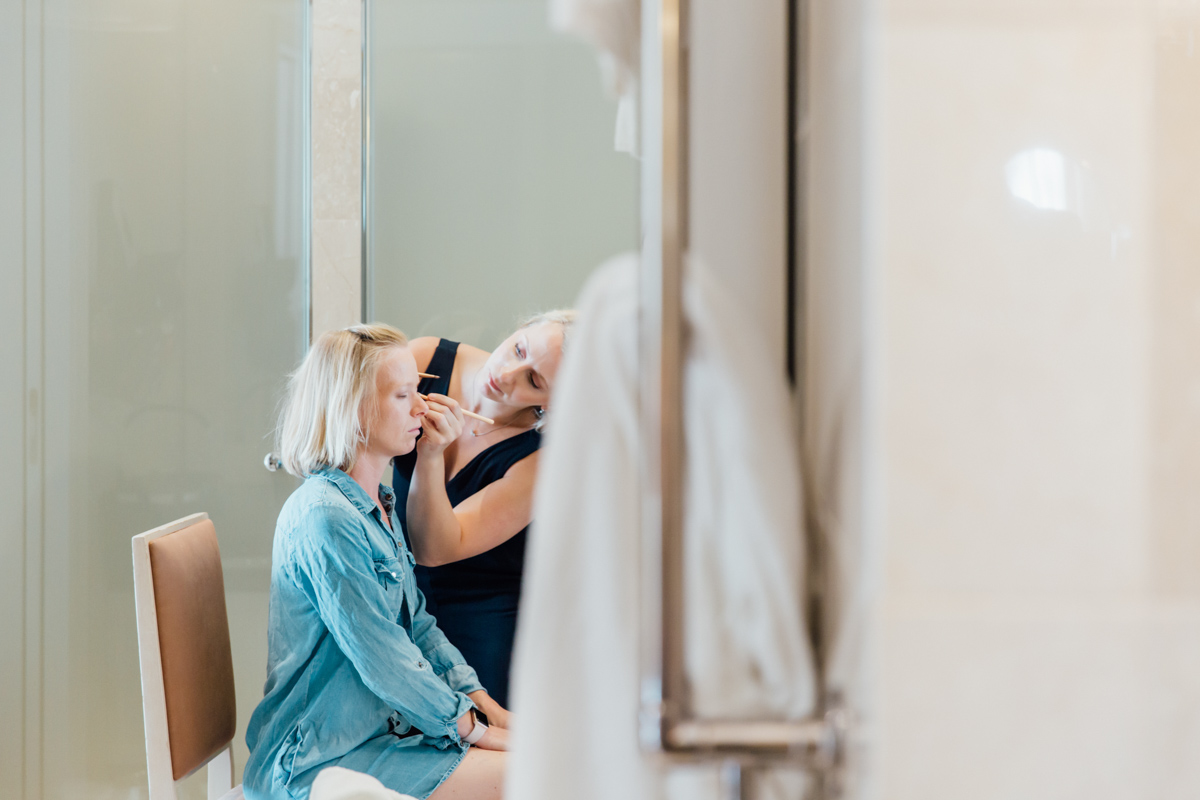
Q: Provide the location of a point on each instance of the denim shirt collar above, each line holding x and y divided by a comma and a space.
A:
357, 494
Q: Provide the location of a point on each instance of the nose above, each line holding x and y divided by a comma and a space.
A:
509, 371
419, 406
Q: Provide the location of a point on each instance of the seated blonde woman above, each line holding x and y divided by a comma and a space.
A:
358, 673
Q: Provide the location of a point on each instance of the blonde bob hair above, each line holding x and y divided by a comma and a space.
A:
331, 398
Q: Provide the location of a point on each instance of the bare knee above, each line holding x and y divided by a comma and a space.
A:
479, 776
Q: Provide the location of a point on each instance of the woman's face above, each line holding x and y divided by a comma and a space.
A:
398, 407
520, 372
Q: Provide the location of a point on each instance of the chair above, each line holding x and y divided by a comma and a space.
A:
186, 660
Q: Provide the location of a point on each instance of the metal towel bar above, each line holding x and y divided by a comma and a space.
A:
667, 724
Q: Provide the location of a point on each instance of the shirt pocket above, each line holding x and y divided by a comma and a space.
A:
389, 572
293, 751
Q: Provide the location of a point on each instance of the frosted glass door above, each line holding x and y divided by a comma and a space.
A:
174, 306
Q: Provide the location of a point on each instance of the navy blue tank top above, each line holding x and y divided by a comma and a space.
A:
474, 600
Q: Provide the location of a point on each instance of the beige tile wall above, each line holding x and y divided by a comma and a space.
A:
1041, 619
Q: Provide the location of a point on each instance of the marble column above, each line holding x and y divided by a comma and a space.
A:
337, 124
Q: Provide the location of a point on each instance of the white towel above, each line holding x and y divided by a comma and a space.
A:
575, 669
613, 27
747, 654
337, 783
575, 676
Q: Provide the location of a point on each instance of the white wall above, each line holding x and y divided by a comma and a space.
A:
738, 155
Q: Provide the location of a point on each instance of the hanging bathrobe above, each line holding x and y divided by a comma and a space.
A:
576, 668
613, 27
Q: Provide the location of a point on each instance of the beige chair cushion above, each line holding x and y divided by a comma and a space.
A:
193, 635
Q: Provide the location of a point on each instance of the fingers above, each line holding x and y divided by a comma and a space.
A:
444, 416
444, 401
497, 714
438, 433
447, 404
434, 437
441, 425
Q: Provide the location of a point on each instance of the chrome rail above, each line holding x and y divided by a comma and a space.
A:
816, 744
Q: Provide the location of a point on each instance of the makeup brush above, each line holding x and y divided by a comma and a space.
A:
470, 414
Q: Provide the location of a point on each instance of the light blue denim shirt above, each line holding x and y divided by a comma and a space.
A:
354, 661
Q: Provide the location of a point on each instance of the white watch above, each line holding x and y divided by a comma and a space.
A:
477, 732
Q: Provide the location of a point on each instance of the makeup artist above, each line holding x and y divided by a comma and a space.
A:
470, 484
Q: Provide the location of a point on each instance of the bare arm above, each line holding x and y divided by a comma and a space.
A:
496, 737
442, 533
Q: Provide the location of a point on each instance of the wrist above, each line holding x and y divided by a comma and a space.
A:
478, 729
431, 458
466, 724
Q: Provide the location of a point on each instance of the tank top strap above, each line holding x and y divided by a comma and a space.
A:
442, 365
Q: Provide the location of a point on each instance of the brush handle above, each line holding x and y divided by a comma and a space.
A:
471, 414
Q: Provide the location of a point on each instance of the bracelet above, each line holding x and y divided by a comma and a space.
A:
477, 732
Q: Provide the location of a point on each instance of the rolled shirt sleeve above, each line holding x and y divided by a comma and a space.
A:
337, 572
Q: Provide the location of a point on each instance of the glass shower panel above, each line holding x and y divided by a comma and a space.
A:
494, 185
175, 306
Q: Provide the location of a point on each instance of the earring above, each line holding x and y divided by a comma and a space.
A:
539, 412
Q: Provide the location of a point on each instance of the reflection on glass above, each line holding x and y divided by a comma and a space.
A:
173, 217
494, 186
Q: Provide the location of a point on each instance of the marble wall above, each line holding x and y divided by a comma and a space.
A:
337, 128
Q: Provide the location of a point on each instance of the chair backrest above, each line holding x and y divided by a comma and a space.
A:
186, 661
